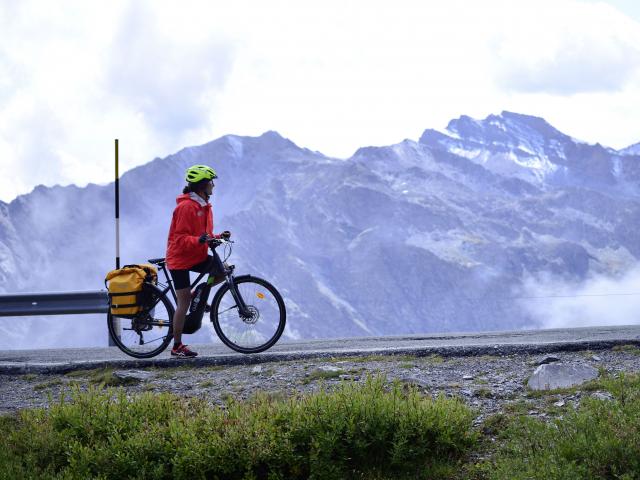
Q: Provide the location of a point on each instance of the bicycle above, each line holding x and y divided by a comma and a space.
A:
247, 312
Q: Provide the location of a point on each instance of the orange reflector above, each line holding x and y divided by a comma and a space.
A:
260, 296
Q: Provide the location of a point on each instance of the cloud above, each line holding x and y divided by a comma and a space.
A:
165, 74
333, 76
75, 76
566, 48
599, 301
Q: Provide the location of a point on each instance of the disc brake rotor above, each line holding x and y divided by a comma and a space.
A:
255, 315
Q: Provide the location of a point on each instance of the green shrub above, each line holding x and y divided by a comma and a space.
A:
601, 440
355, 431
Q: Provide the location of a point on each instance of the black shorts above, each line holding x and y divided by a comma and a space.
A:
181, 277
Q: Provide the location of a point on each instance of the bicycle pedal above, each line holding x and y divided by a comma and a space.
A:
207, 308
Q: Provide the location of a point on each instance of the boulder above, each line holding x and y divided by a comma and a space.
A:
548, 359
551, 376
132, 375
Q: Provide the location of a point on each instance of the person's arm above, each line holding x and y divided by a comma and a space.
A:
185, 230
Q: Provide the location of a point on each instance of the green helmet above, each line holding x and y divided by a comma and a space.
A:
196, 173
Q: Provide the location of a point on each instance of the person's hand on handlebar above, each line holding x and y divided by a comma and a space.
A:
204, 238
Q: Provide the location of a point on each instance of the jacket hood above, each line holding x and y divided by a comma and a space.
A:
183, 197
193, 197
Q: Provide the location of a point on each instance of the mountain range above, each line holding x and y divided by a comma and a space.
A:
440, 234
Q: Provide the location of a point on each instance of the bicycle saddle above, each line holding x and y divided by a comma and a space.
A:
157, 261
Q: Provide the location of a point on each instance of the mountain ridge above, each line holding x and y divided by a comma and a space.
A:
405, 238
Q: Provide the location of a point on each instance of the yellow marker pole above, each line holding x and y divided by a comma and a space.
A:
117, 211
117, 195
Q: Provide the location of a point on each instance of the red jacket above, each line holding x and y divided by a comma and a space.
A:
191, 218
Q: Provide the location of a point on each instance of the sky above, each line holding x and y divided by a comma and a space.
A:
331, 76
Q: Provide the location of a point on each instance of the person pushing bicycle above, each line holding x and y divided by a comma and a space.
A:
191, 229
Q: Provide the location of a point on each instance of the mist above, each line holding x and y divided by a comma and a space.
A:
599, 301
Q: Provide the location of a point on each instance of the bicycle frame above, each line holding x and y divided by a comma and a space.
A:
229, 279
248, 314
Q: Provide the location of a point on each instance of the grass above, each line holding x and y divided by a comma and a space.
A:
106, 378
355, 431
599, 440
78, 373
51, 383
372, 430
101, 376
633, 349
519, 407
322, 375
373, 358
483, 392
433, 359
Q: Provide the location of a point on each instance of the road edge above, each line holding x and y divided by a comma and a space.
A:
21, 368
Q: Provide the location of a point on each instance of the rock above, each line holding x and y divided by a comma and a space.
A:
557, 375
595, 358
602, 395
559, 403
414, 381
132, 375
329, 368
548, 359
467, 377
257, 369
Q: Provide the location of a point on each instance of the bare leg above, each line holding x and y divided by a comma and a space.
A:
184, 299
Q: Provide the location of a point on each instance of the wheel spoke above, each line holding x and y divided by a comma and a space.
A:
264, 325
147, 334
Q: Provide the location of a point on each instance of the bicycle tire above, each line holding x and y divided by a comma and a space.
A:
159, 297
224, 293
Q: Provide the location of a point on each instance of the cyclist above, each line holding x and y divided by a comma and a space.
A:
191, 228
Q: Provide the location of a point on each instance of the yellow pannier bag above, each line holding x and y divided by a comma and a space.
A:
125, 288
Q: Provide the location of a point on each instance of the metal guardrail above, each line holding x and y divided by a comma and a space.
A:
63, 303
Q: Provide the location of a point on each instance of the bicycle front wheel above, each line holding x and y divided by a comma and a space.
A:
147, 334
251, 334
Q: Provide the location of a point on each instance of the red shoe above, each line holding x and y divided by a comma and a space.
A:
182, 351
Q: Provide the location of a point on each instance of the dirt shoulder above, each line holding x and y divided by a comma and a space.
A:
489, 384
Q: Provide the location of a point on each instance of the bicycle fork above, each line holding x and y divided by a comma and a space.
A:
233, 288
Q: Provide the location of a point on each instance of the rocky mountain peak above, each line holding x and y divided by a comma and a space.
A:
631, 149
484, 207
508, 128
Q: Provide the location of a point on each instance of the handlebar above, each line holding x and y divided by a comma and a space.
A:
216, 242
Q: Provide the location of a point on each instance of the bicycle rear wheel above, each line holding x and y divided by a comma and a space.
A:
268, 315
148, 333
